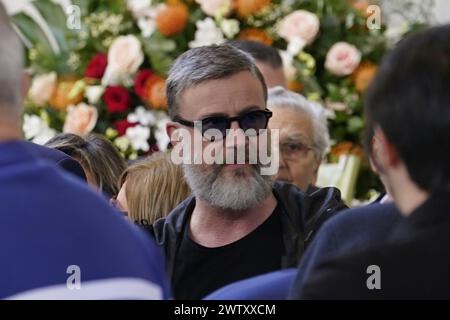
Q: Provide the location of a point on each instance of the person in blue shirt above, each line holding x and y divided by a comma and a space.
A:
352, 230
59, 239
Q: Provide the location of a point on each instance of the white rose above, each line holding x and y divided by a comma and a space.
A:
124, 58
342, 59
94, 93
42, 88
230, 27
299, 24
80, 119
138, 7
212, 7
207, 34
36, 129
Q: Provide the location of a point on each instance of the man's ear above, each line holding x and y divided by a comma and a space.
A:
383, 150
171, 130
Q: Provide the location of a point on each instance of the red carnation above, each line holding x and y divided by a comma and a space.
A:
122, 126
117, 99
97, 66
139, 82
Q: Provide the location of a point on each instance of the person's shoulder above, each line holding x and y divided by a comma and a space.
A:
293, 197
340, 277
368, 214
168, 227
56, 157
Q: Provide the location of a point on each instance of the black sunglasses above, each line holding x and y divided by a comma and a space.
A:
256, 119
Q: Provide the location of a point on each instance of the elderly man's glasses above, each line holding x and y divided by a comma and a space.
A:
256, 120
294, 149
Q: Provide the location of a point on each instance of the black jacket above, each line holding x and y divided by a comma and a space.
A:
302, 215
413, 262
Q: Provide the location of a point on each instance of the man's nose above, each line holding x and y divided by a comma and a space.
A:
236, 136
283, 164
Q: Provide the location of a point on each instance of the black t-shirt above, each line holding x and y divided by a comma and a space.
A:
200, 270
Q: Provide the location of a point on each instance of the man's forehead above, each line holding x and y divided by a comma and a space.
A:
227, 96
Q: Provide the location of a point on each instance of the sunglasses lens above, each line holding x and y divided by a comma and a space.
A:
210, 126
256, 120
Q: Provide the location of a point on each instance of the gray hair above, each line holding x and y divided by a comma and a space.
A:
207, 63
282, 98
11, 66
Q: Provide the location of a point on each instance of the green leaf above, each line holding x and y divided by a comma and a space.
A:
34, 35
55, 19
354, 124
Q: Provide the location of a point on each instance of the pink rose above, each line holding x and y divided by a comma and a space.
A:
80, 119
124, 58
211, 7
42, 88
342, 59
300, 24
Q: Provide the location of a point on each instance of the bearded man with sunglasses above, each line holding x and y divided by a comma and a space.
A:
239, 223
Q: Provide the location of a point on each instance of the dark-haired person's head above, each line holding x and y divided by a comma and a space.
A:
267, 59
11, 79
101, 161
408, 113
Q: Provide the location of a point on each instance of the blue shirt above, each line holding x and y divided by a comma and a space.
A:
61, 240
351, 230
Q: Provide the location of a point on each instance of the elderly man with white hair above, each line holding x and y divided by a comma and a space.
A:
304, 137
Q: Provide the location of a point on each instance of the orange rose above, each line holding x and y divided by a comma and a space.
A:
295, 86
246, 8
255, 34
363, 75
346, 147
66, 94
155, 92
172, 19
157, 96
361, 6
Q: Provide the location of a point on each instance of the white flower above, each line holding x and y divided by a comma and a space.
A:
138, 7
32, 125
147, 26
213, 7
138, 137
207, 33
124, 58
42, 88
230, 27
288, 65
36, 129
44, 136
296, 45
162, 139
94, 93
143, 116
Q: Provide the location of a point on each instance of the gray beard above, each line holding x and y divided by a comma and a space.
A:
237, 193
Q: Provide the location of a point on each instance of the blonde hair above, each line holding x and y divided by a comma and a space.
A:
154, 187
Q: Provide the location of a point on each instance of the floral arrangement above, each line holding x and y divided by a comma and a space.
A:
108, 74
